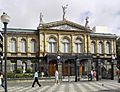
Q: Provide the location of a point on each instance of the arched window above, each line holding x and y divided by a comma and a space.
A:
79, 46
23, 45
66, 45
52, 45
100, 47
13, 45
93, 50
33, 45
107, 47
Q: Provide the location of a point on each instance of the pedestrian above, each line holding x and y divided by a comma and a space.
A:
36, 79
56, 76
42, 74
91, 74
1, 80
94, 74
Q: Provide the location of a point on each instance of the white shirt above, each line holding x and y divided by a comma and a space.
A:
1, 76
36, 74
56, 73
91, 72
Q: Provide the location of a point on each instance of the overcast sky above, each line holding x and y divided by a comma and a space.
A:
25, 13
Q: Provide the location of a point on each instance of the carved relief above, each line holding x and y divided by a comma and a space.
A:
64, 27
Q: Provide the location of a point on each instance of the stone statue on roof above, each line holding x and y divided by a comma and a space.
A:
86, 23
41, 18
64, 11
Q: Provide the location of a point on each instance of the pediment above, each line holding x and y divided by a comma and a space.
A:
63, 25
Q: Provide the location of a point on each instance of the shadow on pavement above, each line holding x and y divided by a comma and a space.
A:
116, 90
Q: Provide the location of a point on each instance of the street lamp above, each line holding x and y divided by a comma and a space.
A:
77, 63
59, 67
58, 61
5, 19
58, 57
112, 68
76, 71
98, 68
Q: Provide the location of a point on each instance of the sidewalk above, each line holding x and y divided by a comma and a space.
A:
46, 79
52, 79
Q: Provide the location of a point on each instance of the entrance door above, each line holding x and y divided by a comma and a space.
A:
65, 69
68, 68
81, 69
52, 68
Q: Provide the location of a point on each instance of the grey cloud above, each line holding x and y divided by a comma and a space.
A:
25, 13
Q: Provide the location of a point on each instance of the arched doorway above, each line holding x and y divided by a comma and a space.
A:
52, 67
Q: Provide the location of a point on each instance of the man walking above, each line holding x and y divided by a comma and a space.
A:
36, 79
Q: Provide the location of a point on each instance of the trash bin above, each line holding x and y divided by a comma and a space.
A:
119, 80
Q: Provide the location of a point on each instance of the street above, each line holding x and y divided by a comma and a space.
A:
50, 86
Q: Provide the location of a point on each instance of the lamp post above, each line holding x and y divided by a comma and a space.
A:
58, 62
58, 57
76, 68
77, 77
76, 71
97, 76
59, 67
112, 68
98, 68
100, 72
5, 19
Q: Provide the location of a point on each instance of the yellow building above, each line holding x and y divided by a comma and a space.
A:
64, 45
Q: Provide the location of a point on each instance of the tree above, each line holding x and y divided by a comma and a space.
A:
118, 52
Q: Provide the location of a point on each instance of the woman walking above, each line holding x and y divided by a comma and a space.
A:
94, 75
1, 80
56, 76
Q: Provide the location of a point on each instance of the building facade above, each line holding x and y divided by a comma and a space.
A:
64, 45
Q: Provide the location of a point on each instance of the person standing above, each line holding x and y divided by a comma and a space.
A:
94, 75
1, 80
36, 79
91, 74
56, 76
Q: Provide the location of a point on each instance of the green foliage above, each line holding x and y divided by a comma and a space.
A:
19, 75
118, 65
10, 74
29, 70
19, 70
118, 47
118, 52
25, 75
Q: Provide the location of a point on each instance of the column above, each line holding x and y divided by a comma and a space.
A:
88, 43
60, 70
71, 43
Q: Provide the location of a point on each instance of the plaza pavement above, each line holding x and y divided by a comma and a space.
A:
50, 86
